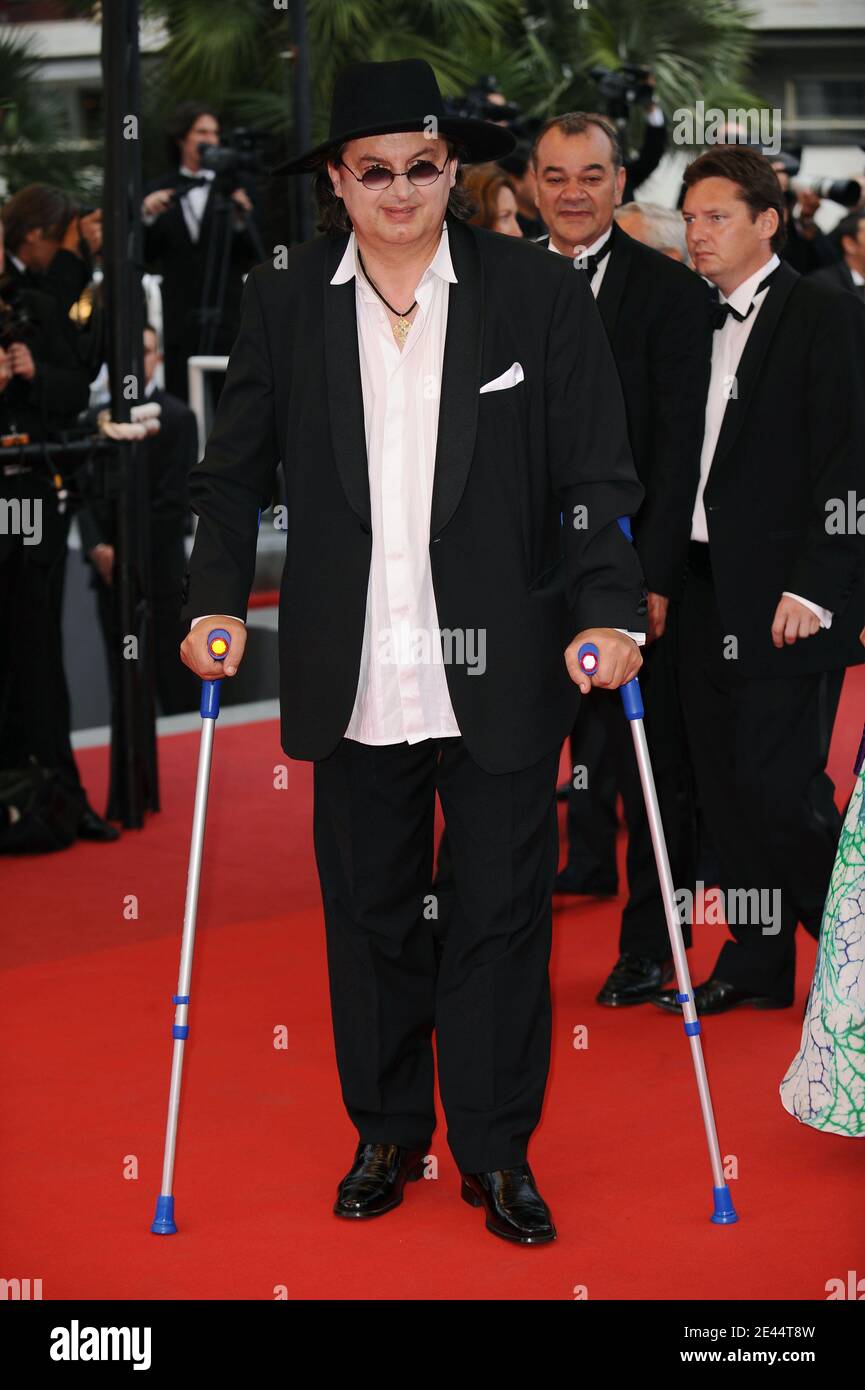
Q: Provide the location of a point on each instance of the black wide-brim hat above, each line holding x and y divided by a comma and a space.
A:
382, 98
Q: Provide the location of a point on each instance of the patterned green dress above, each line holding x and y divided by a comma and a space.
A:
825, 1083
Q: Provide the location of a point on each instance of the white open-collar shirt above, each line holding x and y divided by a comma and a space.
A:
402, 693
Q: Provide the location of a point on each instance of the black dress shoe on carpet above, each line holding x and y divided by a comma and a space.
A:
717, 997
515, 1209
595, 884
562, 791
375, 1181
93, 827
634, 979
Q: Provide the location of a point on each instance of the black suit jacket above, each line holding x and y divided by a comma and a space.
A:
508, 463
66, 278
169, 249
838, 275
41, 408
792, 439
656, 313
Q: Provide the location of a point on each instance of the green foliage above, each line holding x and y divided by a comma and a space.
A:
236, 54
31, 125
540, 50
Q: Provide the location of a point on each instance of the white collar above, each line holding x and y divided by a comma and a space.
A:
743, 294
201, 173
19, 265
588, 250
858, 278
441, 264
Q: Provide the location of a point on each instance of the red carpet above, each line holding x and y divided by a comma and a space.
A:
620, 1154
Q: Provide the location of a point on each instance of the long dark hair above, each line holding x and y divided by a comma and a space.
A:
180, 123
332, 215
37, 205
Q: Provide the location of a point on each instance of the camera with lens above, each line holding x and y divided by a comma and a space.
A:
623, 87
239, 155
847, 192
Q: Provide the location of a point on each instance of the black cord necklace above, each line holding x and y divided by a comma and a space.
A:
402, 325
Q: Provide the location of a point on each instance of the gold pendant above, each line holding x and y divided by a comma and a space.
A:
400, 330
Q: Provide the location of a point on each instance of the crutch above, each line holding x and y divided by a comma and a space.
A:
724, 1212
218, 643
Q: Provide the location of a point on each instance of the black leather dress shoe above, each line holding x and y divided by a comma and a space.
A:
634, 979
515, 1209
717, 997
595, 884
93, 827
375, 1181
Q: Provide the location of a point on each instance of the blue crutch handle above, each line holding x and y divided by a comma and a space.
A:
632, 697
219, 645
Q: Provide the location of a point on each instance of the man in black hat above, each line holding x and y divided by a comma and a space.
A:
441, 397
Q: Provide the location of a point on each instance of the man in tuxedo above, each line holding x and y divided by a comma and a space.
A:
656, 315
182, 240
438, 395
775, 594
848, 273
167, 458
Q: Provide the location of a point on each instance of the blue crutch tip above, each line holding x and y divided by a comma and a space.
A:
724, 1213
163, 1222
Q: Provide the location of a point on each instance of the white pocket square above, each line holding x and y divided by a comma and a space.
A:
513, 375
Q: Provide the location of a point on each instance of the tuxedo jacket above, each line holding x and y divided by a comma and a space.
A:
169, 249
510, 464
838, 274
792, 442
656, 314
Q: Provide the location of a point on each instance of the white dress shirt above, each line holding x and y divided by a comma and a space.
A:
402, 692
728, 344
192, 203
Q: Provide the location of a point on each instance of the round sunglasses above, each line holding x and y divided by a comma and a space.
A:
377, 177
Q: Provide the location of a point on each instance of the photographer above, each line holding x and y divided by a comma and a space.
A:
632, 85
185, 242
50, 243
806, 248
849, 272
43, 388
166, 458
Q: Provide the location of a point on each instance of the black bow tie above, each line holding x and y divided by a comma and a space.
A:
191, 181
590, 263
722, 312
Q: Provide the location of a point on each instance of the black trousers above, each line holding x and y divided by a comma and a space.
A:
759, 748
35, 717
592, 814
602, 743
488, 997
